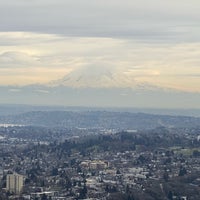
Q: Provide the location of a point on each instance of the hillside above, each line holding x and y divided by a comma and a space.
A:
99, 119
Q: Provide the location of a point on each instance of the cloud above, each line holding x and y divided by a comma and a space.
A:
143, 97
17, 59
42, 91
17, 38
100, 62
14, 90
161, 20
100, 44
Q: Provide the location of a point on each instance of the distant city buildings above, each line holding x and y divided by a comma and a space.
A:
161, 163
14, 183
95, 164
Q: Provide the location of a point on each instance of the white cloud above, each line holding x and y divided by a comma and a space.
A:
15, 90
17, 59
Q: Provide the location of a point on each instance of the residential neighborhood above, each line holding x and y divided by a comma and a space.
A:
151, 164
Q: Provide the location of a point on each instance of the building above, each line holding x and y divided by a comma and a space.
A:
95, 164
14, 183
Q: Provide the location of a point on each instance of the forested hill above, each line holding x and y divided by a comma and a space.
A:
99, 119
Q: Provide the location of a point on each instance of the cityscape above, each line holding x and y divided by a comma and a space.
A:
99, 100
95, 162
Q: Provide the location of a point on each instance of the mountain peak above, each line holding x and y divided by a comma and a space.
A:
95, 77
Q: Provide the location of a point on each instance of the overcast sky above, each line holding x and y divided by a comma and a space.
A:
101, 43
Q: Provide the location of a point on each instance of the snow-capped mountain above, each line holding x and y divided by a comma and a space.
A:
95, 77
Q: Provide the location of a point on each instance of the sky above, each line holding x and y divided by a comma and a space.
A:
135, 45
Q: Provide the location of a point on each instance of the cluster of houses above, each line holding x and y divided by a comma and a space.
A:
40, 171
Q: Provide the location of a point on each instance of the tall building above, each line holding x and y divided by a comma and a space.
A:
14, 183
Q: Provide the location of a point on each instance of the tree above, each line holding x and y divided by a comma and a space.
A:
170, 195
166, 176
54, 172
182, 171
118, 172
83, 192
44, 197
196, 153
